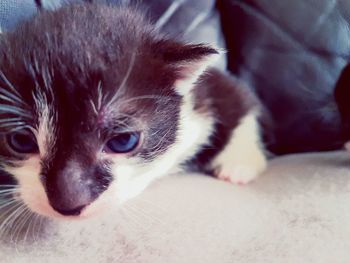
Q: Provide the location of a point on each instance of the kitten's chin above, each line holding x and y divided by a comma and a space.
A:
92, 211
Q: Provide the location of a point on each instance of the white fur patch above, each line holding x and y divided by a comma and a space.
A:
194, 131
193, 70
45, 133
243, 158
32, 191
45, 136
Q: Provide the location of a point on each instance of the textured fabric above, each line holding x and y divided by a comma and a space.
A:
298, 211
13, 11
188, 20
292, 52
53, 4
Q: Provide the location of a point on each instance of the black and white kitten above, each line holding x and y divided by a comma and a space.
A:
95, 104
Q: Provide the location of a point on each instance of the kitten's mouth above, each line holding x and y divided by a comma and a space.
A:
78, 213
39, 203
70, 204
71, 212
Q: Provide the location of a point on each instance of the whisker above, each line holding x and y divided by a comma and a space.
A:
10, 124
6, 194
99, 95
6, 98
5, 223
14, 237
163, 139
37, 228
6, 95
24, 219
14, 110
19, 229
124, 123
32, 226
14, 220
9, 188
151, 97
125, 79
22, 128
6, 203
47, 79
31, 218
6, 120
8, 83
93, 107
6, 206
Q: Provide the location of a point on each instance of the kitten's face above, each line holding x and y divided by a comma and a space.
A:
84, 129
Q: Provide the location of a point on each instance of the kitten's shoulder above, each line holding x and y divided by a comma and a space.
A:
235, 151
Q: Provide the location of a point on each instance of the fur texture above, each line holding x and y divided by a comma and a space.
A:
80, 75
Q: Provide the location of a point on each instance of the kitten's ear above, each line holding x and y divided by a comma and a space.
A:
190, 61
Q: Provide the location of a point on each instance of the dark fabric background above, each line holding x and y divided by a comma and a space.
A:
292, 52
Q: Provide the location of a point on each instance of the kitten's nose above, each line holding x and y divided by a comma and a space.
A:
72, 186
69, 204
69, 194
70, 212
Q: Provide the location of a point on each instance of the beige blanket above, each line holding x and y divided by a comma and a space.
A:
298, 211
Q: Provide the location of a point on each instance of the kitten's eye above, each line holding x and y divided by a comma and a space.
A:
124, 142
22, 142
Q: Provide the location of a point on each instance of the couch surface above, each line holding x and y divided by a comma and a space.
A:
298, 211
292, 53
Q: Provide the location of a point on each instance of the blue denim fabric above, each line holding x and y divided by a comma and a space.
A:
13, 11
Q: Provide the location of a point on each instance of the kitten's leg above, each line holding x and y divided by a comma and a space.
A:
243, 158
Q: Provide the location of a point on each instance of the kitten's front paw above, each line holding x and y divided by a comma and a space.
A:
243, 158
240, 174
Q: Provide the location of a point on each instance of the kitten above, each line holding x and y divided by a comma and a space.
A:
95, 104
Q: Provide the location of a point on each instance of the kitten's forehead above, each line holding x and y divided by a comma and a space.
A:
77, 109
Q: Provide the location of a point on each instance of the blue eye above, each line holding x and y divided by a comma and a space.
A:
124, 142
22, 142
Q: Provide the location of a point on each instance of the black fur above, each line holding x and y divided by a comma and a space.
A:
224, 97
67, 55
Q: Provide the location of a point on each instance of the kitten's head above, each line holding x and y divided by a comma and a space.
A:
95, 105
